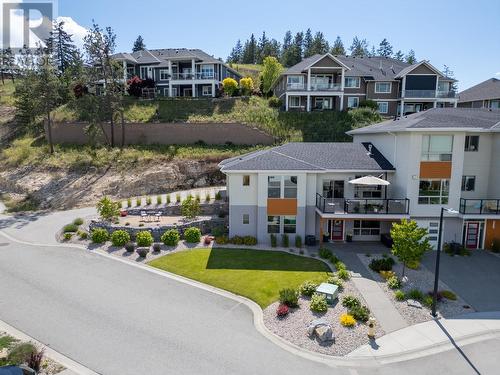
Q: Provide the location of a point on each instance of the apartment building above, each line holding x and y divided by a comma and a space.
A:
483, 95
327, 82
443, 157
177, 72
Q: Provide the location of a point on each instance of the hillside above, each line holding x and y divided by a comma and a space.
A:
248, 70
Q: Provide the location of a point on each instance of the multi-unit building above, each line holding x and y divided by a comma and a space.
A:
177, 71
327, 82
443, 157
483, 95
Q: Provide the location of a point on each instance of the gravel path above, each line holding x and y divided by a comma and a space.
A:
423, 280
294, 327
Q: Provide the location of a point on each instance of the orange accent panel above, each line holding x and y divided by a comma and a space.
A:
285, 206
435, 169
492, 232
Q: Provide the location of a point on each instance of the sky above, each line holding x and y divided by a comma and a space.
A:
465, 35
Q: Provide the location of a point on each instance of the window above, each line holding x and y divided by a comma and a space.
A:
130, 71
468, 183
163, 74
433, 191
352, 102
383, 87
471, 142
206, 91
246, 219
295, 82
323, 103
290, 187
383, 107
289, 224
437, 147
274, 187
207, 71
351, 82
246, 180
273, 224
366, 228
294, 101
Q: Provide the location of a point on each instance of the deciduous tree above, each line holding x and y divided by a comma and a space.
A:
270, 74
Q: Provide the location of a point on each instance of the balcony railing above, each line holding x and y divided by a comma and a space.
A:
325, 86
419, 93
373, 206
188, 76
447, 94
480, 206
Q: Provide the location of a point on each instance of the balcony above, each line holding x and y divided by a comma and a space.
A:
479, 206
300, 86
191, 76
447, 94
296, 86
372, 206
419, 94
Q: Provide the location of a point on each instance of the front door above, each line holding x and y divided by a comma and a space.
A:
336, 228
188, 92
472, 235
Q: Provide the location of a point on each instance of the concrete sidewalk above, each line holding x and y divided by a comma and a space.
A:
430, 337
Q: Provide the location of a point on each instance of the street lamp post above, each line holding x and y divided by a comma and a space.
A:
438, 258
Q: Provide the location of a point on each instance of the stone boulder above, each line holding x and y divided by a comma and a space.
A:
321, 329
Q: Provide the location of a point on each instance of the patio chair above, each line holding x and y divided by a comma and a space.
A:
144, 215
158, 215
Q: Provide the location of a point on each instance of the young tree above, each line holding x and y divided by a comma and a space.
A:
410, 242
108, 209
308, 43
384, 48
359, 47
190, 208
410, 57
60, 45
399, 56
319, 44
139, 44
270, 74
338, 47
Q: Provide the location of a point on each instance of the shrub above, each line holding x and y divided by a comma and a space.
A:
415, 294
347, 320
387, 274
439, 296
82, 234
171, 237
190, 207
335, 281
178, 198
413, 264
78, 221
144, 238
207, 197
143, 252
298, 241
168, 199
350, 302
448, 294
368, 104
230, 86
158, 200
282, 311
156, 247
343, 274
393, 282
130, 247
70, 228
289, 297
35, 360
148, 201
274, 240
68, 236
333, 258
318, 303
340, 265
218, 196
399, 295
138, 202
308, 288
250, 241
324, 253
427, 301
382, 264
274, 102
285, 241
99, 235
120, 237
237, 240
246, 85
21, 353
222, 240
197, 198
192, 235
129, 202
108, 209
360, 313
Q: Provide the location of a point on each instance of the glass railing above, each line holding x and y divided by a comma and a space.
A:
325, 86
447, 94
419, 93
186, 76
363, 206
296, 86
480, 206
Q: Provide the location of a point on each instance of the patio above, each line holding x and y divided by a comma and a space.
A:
151, 220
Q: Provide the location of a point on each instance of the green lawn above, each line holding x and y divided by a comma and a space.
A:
258, 275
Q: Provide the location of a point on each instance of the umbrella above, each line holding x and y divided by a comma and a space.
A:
369, 181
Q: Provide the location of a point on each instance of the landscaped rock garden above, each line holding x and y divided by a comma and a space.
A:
312, 324
412, 296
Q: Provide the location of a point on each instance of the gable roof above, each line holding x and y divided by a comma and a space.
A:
311, 60
489, 89
157, 56
412, 67
464, 119
311, 156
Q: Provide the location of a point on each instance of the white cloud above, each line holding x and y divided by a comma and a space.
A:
73, 28
497, 73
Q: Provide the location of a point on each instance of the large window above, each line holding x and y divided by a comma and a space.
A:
274, 187
273, 224
206, 90
351, 82
383, 87
275, 184
207, 71
294, 101
295, 82
163, 74
471, 142
468, 183
281, 224
352, 102
433, 191
383, 107
366, 228
437, 147
289, 224
290, 187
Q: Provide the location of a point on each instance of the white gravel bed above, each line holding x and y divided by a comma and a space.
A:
423, 280
293, 327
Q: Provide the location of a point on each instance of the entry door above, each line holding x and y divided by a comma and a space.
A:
337, 230
338, 189
188, 92
472, 235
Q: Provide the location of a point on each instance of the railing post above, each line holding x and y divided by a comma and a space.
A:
323, 203
481, 207
386, 206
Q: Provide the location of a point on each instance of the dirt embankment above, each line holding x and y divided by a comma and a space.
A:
66, 188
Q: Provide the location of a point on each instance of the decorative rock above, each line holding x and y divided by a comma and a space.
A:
315, 324
413, 303
324, 333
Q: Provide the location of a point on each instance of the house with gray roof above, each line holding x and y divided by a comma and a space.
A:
177, 72
409, 167
327, 82
483, 95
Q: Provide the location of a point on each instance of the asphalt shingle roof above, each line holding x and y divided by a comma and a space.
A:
311, 156
489, 89
436, 118
157, 56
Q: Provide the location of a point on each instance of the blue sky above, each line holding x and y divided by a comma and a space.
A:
462, 34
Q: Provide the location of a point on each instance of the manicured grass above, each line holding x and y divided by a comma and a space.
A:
258, 275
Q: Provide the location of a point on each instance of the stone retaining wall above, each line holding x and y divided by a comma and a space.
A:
206, 209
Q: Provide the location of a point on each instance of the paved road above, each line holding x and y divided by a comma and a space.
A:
118, 319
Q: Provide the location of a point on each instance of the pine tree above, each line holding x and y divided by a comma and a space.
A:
60, 45
338, 47
385, 48
410, 57
250, 51
372, 52
359, 48
236, 53
320, 44
296, 48
399, 56
7, 61
308, 43
139, 44
286, 50
262, 48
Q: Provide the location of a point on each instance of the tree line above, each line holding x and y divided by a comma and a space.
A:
304, 44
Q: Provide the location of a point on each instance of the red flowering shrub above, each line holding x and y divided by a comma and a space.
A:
282, 311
